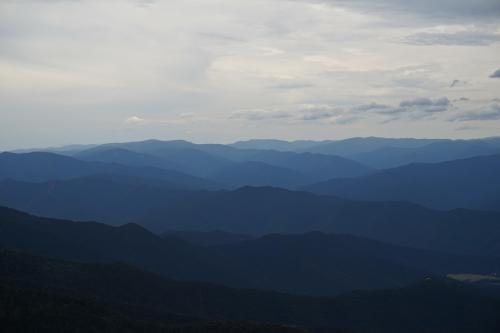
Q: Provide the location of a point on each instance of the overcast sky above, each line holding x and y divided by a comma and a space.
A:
226, 70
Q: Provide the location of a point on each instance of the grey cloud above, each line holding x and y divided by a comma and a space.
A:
492, 113
260, 115
317, 111
440, 104
467, 128
346, 120
425, 102
467, 38
292, 86
426, 105
392, 111
433, 8
457, 83
306, 112
415, 109
318, 115
495, 74
370, 106
382, 109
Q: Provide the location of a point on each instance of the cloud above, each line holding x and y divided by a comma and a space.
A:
134, 120
317, 111
465, 38
346, 120
292, 86
492, 113
318, 115
370, 107
255, 115
410, 109
423, 101
430, 8
467, 128
392, 111
457, 83
495, 74
298, 112
426, 104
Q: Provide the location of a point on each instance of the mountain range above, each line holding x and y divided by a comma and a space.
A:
363, 235
255, 211
312, 263
466, 183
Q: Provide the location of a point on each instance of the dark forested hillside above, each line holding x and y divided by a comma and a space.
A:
115, 297
215, 237
312, 263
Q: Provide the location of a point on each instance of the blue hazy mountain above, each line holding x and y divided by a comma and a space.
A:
388, 157
258, 174
467, 183
312, 263
117, 161
207, 160
353, 146
176, 155
314, 166
40, 167
278, 145
386, 152
103, 197
256, 211
324, 159
343, 147
125, 157
63, 150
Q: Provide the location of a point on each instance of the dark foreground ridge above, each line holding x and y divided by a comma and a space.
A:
116, 297
312, 263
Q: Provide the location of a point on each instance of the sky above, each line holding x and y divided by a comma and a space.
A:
79, 71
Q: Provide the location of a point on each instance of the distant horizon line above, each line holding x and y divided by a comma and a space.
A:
90, 145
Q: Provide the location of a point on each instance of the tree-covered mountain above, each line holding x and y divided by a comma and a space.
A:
214, 237
312, 263
116, 297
